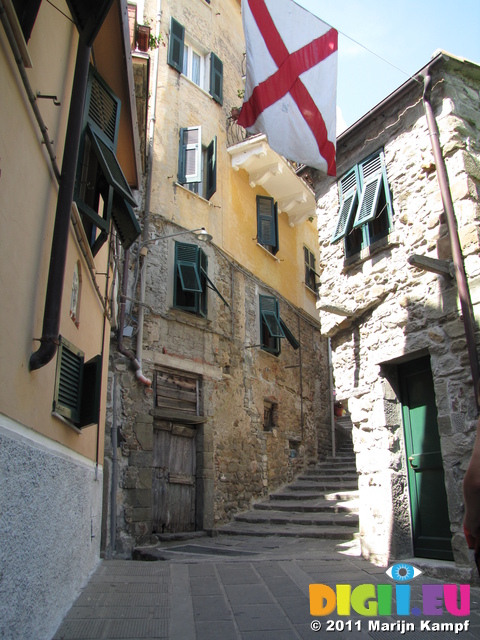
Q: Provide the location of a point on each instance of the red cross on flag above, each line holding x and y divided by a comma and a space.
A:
291, 85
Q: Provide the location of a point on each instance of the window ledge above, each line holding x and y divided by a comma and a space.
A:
388, 242
268, 252
197, 86
192, 193
66, 422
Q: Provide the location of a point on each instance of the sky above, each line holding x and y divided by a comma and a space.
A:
382, 43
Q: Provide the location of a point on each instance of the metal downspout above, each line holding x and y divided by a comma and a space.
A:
332, 399
460, 275
146, 219
58, 256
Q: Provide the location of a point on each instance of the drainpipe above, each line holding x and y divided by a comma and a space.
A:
461, 278
332, 399
114, 480
58, 256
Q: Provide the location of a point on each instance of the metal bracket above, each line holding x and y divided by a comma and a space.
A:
56, 101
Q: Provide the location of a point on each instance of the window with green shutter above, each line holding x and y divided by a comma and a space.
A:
272, 327
267, 223
197, 165
77, 386
204, 68
366, 212
310, 273
101, 189
191, 280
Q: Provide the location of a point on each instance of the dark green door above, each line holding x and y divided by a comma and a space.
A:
428, 498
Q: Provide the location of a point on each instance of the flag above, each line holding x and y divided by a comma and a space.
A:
291, 83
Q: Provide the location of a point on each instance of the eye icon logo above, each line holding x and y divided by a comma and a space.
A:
402, 572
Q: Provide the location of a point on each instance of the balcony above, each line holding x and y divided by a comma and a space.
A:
272, 172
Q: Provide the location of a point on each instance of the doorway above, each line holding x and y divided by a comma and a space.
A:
426, 481
173, 481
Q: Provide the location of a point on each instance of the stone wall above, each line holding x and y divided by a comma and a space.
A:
395, 311
238, 461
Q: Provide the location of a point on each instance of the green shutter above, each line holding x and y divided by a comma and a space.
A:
216, 78
102, 109
269, 314
371, 178
68, 381
186, 258
111, 168
126, 222
211, 185
91, 392
175, 45
267, 225
289, 335
190, 155
348, 191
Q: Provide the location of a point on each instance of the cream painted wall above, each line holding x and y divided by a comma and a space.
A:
28, 195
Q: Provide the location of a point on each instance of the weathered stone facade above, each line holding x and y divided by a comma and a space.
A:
237, 460
394, 312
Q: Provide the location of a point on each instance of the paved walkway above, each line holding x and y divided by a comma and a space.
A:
243, 588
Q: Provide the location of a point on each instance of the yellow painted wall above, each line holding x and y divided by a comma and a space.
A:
230, 215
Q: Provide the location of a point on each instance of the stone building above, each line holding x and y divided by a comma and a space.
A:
219, 378
67, 87
389, 302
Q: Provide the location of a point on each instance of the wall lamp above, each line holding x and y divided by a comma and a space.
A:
200, 233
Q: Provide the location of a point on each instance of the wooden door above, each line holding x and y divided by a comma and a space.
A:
428, 498
173, 486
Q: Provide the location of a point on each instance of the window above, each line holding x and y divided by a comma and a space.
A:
272, 327
191, 279
310, 274
365, 205
267, 223
77, 386
101, 190
197, 165
203, 68
270, 415
26, 11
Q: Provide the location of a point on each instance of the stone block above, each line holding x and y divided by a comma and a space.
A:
144, 433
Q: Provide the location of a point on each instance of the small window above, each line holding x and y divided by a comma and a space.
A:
270, 413
365, 205
101, 189
77, 386
188, 57
191, 280
267, 223
197, 165
310, 273
272, 327
26, 11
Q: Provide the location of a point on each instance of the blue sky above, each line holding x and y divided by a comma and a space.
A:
405, 33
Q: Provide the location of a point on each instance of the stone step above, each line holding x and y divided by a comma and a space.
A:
308, 496
310, 506
332, 476
290, 530
315, 471
304, 519
322, 485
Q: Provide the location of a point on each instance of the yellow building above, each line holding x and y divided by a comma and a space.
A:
69, 159
230, 398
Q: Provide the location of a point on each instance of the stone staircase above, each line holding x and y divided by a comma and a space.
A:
321, 503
